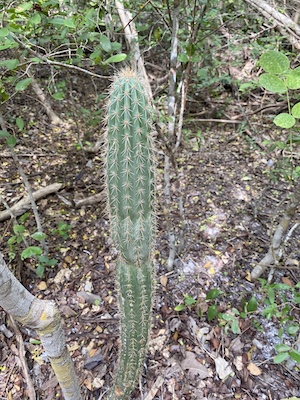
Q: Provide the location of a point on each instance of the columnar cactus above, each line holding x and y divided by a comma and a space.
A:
130, 190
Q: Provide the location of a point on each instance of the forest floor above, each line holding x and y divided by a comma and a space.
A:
230, 210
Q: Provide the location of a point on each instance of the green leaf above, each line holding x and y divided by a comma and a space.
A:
50, 262
180, 307
295, 355
11, 141
23, 7
296, 110
4, 32
115, 59
296, 299
36, 60
284, 120
213, 294
292, 329
274, 62
293, 79
280, 358
291, 398
22, 85
40, 270
235, 326
212, 312
189, 300
272, 83
58, 95
271, 295
34, 341
8, 44
18, 229
96, 56
4, 134
36, 19
12, 240
20, 123
252, 304
182, 57
9, 64
105, 43
282, 348
39, 236
68, 22
31, 251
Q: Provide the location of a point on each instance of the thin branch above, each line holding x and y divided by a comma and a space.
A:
131, 37
56, 63
24, 204
275, 251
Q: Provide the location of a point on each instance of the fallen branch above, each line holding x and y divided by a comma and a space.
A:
87, 201
286, 25
25, 204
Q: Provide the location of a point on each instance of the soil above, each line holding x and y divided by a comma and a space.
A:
230, 209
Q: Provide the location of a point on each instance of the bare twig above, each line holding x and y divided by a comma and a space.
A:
56, 63
289, 28
54, 118
25, 204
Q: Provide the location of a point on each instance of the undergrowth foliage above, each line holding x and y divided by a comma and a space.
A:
130, 189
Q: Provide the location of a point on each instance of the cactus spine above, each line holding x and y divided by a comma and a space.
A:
130, 189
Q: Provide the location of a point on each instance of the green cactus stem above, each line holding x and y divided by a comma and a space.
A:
130, 188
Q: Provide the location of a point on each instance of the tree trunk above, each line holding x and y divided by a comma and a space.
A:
42, 316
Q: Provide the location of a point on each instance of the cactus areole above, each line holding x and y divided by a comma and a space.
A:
130, 190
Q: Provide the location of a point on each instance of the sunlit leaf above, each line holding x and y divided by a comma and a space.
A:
272, 83
293, 79
31, 251
282, 348
280, 358
36, 19
180, 307
115, 59
296, 110
189, 300
9, 64
284, 120
274, 62
58, 95
295, 355
23, 7
4, 32
39, 236
292, 329
235, 326
105, 43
